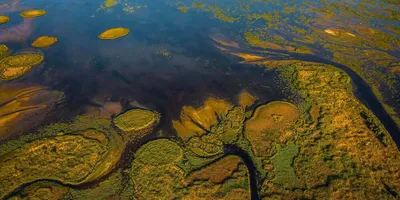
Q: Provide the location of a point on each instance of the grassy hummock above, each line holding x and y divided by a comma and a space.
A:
42, 190
66, 158
3, 48
197, 121
269, 122
110, 3
32, 13
4, 19
44, 41
219, 180
275, 115
159, 152
245, 99
283, 165
136, 122
12, 67
114, 33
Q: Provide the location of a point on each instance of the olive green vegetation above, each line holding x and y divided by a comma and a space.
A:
191, 161
228, 175
110, 3
42, 190
44, 41
334, 147
117, 185
114, 33
3, 48
91, 153
77, 154
159, 152
283, 165
32, 13
328, 140
338, 143
157, 182
4, 51
183, 9
153, 179
136, 123
363, 36
93, 147
12, 67
325, 144
154, 174
4, 19
270, 122
79, 124
209, 146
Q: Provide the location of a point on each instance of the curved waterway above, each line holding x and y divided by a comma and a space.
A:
254, 175
363, 90
365, 94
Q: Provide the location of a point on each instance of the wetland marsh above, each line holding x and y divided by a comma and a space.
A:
199, 99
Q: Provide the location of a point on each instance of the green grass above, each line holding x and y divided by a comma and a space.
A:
283, 165
241, 182
157, 182
159, 152
136, 120
79, 124
115, 185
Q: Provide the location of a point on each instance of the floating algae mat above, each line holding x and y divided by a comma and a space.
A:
114, 33
44, 41
12, 67
4, 19
221, 100
32, 13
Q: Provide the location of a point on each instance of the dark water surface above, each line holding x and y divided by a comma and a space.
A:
86, 68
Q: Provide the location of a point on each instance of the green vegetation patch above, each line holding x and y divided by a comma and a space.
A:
110, 3
206, 145
283, 165
226, 175
114, 33
3, 48
157, 182
44, 41
12, 67
81, 123
65, 158
42, 190
268, 124
191, 161
4, 19
227, 131
183, 9
136, 120
117, 185
32, 13
159, 152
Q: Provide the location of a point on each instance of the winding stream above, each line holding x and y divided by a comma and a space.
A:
254, 175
